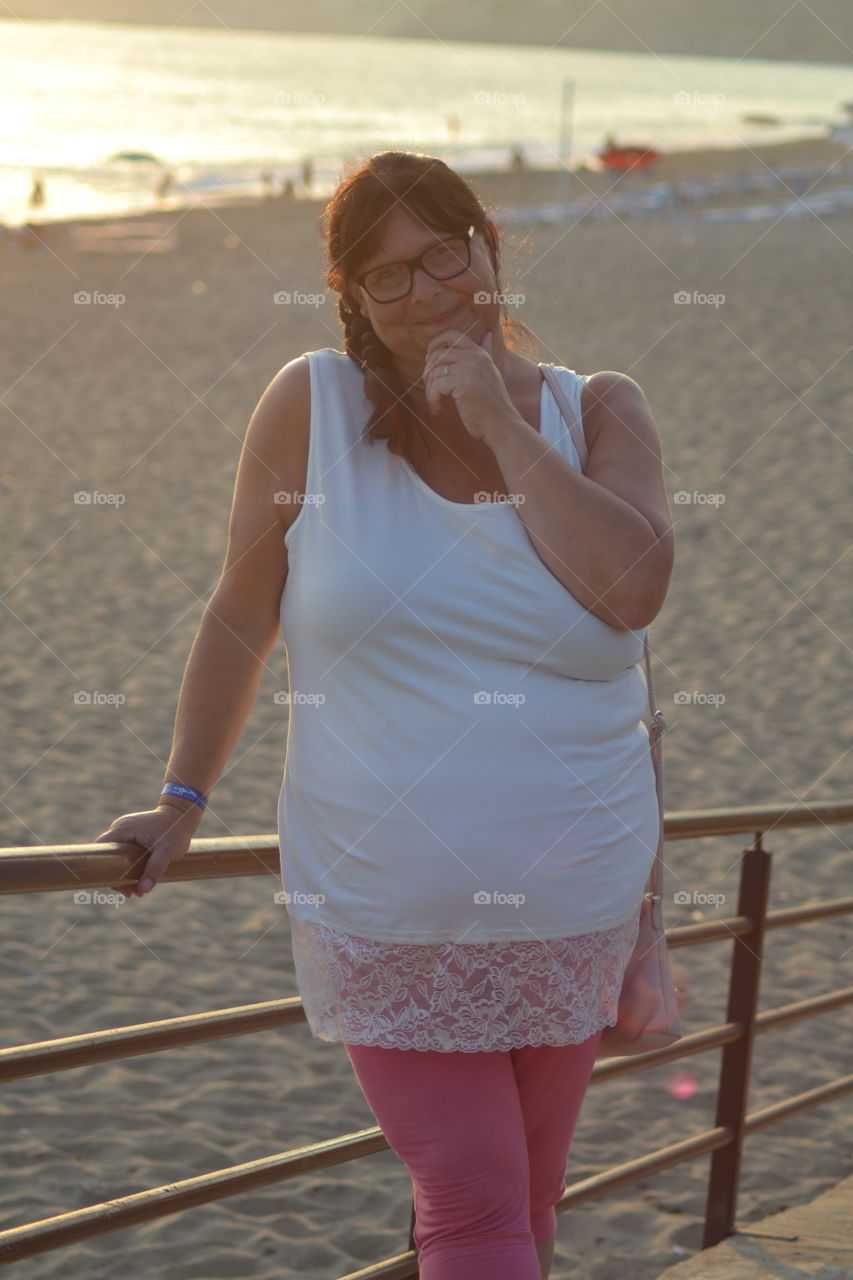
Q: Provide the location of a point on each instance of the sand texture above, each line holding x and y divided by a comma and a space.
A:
149, 399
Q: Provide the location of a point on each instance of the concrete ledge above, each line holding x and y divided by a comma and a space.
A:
810, 1242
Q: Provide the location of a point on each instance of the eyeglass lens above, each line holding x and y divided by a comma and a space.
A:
443, 261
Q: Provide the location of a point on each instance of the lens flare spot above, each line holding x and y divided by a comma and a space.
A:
682, 1085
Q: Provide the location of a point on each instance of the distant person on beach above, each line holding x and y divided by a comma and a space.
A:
164, 185
37, 193
517, 160
468, 812
267, 183
307, 175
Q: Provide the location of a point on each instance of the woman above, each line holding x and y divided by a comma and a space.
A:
468, 811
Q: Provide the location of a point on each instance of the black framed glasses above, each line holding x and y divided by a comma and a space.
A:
441, 261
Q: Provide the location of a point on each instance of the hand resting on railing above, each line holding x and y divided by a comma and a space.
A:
165, 832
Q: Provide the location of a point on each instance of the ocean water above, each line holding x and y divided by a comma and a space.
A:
216, 109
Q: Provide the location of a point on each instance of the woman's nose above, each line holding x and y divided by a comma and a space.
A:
423, 285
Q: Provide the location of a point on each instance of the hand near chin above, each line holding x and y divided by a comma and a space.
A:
458, 366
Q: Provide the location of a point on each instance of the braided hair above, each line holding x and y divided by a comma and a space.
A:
382, 386
433, 194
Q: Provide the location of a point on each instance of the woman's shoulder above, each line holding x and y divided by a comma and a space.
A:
332, 358
599, 392
603, 382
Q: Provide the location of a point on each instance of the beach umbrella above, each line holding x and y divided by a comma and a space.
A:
137, 156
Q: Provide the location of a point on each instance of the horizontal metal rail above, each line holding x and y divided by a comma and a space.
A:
174, 1197
84, 1050
60, 867
406, 1264
40, 1237
81, 1224
72, 867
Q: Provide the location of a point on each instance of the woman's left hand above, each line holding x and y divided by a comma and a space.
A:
472, 379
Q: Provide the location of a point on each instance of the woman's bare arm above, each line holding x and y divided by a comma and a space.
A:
241, 620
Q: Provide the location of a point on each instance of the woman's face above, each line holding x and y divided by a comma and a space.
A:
407, 326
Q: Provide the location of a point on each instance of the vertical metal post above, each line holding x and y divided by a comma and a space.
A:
565, 145
733, 1088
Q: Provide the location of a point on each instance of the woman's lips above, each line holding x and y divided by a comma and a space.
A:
440, 319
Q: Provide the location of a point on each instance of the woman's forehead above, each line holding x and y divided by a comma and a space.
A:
399, 236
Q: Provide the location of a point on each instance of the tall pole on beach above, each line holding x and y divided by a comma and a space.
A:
565, 146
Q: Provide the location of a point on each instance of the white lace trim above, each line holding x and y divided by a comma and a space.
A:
459, 996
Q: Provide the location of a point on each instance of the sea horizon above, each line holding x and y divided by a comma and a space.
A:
276, 107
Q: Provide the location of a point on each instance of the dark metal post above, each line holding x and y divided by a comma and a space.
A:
733, 1088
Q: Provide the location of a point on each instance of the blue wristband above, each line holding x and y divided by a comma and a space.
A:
185, 793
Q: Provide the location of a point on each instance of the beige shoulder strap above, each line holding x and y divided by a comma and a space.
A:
572, 420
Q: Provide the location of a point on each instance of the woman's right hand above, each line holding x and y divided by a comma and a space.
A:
165, 832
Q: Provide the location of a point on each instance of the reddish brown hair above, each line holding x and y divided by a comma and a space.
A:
352, 221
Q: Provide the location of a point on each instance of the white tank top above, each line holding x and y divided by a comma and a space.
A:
467, 761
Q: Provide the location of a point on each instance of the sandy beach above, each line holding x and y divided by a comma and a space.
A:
141, 397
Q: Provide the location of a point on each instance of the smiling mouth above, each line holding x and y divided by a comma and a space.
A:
440, 319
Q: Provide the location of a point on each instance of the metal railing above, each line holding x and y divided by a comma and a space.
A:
63, 867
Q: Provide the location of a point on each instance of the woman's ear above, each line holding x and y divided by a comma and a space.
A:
358, 302
352, 300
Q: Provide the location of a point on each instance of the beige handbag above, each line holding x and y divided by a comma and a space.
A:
648, 1014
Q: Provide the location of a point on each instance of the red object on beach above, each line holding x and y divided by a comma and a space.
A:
621, 159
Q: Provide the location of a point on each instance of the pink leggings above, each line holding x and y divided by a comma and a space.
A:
485, 1138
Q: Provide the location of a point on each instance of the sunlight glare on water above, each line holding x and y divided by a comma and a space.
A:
217, 107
